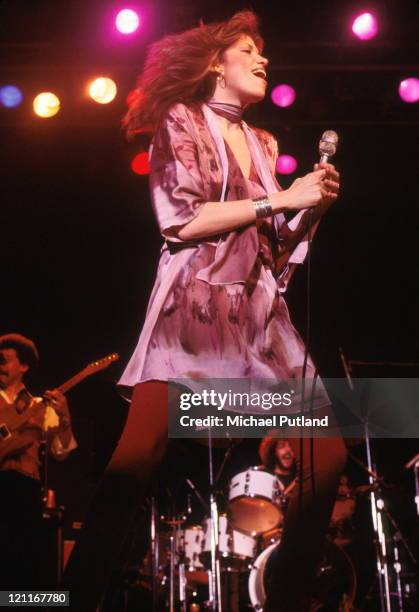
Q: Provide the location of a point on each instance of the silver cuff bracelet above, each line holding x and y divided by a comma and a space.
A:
262, 207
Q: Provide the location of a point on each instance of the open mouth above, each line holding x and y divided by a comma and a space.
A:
260, 73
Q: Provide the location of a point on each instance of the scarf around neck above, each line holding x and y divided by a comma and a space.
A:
231, 112
258, 157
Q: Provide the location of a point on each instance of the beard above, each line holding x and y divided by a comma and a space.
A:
286, 464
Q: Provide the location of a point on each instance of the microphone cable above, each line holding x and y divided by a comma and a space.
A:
327, 148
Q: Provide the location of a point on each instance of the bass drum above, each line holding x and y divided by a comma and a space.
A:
335, 587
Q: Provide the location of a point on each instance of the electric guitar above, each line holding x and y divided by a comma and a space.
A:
14, 418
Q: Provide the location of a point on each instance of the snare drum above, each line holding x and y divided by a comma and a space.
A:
254, 501
236, 549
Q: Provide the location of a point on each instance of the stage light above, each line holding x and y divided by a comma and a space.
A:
286, 164
10, 96
140, 164
365, 26
283, 95
409, 90
127, 21
102, 90
46, 104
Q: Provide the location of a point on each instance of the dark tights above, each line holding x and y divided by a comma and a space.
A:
122, 489
306, 521
118, 496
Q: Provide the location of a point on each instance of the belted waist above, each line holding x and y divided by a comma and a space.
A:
175, 247
235, 255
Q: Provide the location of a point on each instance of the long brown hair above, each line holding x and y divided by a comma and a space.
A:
178, 68
267, 453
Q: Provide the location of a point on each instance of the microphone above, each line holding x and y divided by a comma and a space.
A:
327, 145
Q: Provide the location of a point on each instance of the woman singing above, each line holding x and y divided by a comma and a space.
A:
217, 307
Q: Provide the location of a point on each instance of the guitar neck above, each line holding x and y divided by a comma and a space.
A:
73, 381
94, 367
14, 420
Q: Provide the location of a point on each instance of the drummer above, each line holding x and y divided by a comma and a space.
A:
278, 458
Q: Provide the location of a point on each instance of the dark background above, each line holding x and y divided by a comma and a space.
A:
80, 246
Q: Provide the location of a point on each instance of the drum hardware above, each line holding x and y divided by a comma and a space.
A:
271, 537
379, 512
182, 587
167, 561
414, 464
232, 443
198, 494
186, 559
154, 554
215, 571
175, 538
186, 546
172, 572
183, 568
376, 507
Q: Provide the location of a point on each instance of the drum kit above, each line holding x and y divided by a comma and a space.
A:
248, 536
225, 560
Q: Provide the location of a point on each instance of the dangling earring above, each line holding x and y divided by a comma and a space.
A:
221, 80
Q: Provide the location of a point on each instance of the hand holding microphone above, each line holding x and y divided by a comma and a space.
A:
327, 148
307, 191
317, 189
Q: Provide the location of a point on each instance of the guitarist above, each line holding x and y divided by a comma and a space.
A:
21, 498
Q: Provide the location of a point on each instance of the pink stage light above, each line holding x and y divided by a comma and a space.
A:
409, 90
286, 164
127, 21
365, 26
283, 95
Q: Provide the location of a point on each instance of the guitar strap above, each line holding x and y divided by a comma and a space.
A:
23, 401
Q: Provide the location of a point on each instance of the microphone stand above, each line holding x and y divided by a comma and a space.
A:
154, 554
377, 508
198, 494
414, 464
231, 445
396, 538
215, 573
